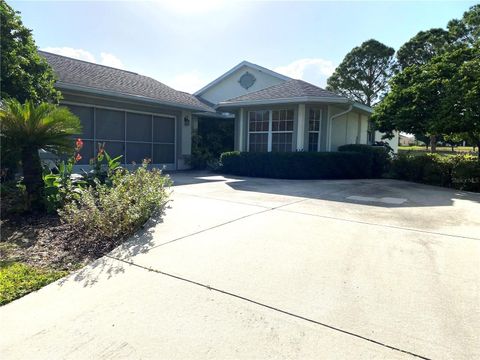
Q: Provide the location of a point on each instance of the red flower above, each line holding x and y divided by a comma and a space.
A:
79, 144
78, 157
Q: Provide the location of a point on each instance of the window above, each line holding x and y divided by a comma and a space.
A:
258, 128
270, 130
314, 119
282, 130
371, 133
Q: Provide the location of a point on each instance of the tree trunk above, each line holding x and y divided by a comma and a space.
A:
32, 178
478, 149
433, 143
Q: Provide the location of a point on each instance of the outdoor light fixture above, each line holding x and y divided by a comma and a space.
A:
186, 121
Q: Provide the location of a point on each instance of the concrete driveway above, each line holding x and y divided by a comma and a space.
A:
244, 268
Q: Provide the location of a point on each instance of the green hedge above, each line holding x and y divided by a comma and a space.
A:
298, 165
379, 156
456, 171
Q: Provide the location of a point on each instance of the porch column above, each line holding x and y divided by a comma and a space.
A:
184, 133
301, 128
241, 146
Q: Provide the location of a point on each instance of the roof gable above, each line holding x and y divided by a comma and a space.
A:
246, 64
291, 89
242, 79
90, 77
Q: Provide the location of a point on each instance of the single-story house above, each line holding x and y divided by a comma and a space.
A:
407, 140
139, 117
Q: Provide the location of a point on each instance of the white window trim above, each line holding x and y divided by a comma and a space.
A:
270, 131
320, 120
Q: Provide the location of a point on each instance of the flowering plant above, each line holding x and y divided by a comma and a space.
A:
60, 185
102, 167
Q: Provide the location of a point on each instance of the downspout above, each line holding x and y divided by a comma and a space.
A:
330, 122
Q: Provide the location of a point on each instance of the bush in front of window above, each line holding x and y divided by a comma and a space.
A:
380, 156
298, 165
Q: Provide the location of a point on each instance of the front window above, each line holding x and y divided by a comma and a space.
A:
270, 130
258, 128
371, 133
282, 130
314, 119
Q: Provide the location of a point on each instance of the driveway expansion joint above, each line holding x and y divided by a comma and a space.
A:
280, 208
225, 223
270, 307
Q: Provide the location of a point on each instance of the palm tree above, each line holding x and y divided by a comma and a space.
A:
31, 127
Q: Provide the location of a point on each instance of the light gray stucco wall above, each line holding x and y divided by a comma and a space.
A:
347, 129
350, 128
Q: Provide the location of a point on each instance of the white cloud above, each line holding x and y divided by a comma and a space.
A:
189, 81
81, 54
111, 60
314, 70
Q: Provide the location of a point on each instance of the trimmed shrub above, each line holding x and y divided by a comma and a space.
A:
298, 165
456, 171
379, 155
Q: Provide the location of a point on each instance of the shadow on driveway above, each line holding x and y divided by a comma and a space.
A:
372, 192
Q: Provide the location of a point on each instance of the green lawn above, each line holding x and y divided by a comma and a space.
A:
17, 279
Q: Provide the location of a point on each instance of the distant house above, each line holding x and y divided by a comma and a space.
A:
407, 140
139, 117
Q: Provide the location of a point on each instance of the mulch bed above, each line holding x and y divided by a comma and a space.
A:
41, 240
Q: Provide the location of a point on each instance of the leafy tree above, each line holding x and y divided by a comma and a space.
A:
419, 50
364, 73
440, 97
31, 128
423, 138
412, 105
24, 74
422, 48
453, 139
424, 51
467, 29
461, 108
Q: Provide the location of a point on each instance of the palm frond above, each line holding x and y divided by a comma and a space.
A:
42, 126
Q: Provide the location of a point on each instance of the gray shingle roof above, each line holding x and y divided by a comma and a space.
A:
104, 78
290, 89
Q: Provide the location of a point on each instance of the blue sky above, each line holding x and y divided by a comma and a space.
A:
188, 43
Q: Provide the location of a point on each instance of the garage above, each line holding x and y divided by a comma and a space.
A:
133, 135
136, 116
